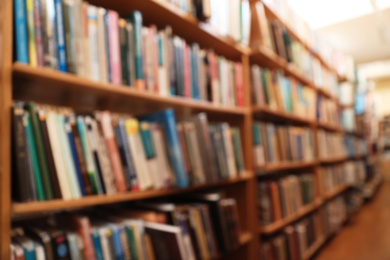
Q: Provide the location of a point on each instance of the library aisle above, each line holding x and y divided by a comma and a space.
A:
366, 235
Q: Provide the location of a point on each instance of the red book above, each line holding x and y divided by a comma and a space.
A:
108, 132
187, 71
115, 54
83, 226
275, 199
240, 99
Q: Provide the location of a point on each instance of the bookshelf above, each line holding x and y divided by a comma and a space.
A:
22, 82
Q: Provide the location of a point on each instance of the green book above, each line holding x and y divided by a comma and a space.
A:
123, 40
136, 19
131, 240
34, 159
256, 134
40, 150
147, 140
238, 149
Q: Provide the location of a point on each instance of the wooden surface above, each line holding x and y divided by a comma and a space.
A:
264, 112
283, 166
367, 234
6, 27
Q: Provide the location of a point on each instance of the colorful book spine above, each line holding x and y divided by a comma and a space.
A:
38, 32
21, 31
62, 66
113, 35
32, 49
93, 42
136, 18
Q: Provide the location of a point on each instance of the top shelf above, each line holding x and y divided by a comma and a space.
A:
183, 24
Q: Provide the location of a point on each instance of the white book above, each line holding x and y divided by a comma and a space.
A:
39, 252
105, 164
140, 163
73, 241
63, 130
163, 78
85, 39
93, 42
102, 47
223, 79
57, 155
234, 19
104, 242
78, 20
231, 159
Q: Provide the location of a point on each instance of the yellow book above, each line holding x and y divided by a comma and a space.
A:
32, 48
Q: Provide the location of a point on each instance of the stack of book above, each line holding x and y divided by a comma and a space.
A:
355, 146
332, 145
281, 143
58, 154
296, 240
284, 197
274, 90
200, 230
231, 18
327, 111
331, 177
96, 43
354, 172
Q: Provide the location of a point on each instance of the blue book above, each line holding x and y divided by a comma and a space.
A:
62, 66
194, 71
167, 120
29, 249
21, 34
97, 244
73, 151
117, 242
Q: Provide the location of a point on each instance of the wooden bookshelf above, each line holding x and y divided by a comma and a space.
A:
272, 228
329, 127
264, 112
327, 94
284, 166
315, 247
19, 209
335, 192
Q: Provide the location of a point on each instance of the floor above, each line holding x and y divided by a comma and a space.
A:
367, 235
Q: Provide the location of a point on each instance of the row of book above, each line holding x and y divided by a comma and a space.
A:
331, 177
348, 119
204, 227
295, 240
277, 38
61, 154
279, 199
355, 146
228, 18
278, 92
89, 41
274, 143
327, 111
332, 145
343, 64
355, 172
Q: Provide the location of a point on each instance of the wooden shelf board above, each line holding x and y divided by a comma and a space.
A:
315, 247
267, 113
53, 87
327, 94
334, 193
19, 209
329, 127
272, 228
333, 160
269, 168
183, 24
355, 133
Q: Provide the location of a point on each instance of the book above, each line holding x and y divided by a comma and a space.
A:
59, 25
21, 31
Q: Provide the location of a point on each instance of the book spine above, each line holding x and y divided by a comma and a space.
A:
124, 45
70, 35
32, 50
21, 176
161, 154
240, 99
195, 71
60, 36
113, 152
75, 160
136, 18
78, 39
162, 64
187, 71
129, 156
40, 151
34, 157
38, 32
130, 53
240, 164
21, 31
102, 34
93, 42
113, 34
227, 139
120, 140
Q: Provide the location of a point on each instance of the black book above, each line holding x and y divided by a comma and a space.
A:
23, 180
